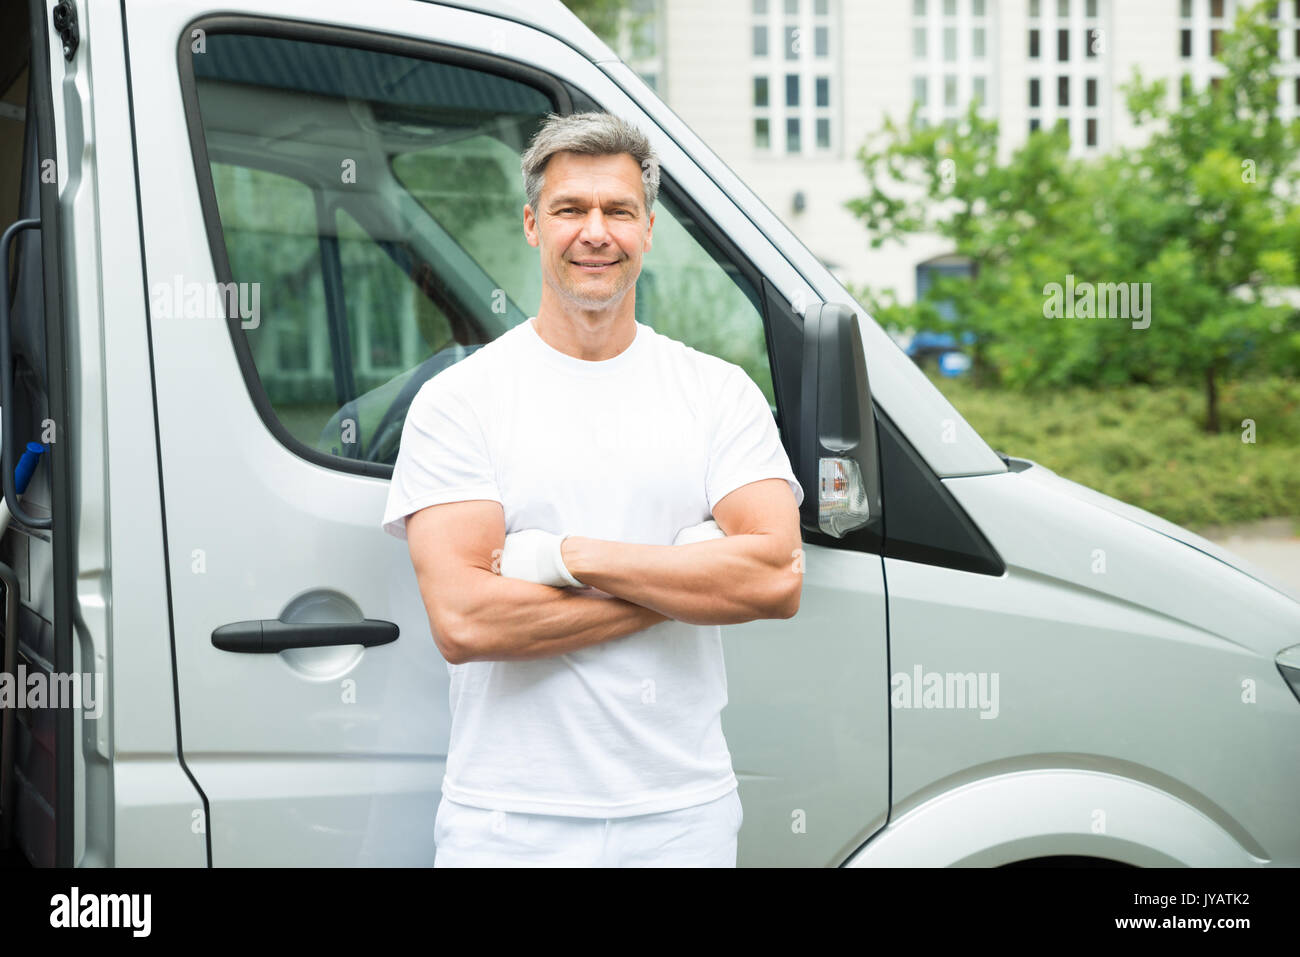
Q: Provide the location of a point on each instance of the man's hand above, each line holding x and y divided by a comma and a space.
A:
534, 555
699, 533
476, 614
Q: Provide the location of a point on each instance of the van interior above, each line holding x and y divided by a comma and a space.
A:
27, 736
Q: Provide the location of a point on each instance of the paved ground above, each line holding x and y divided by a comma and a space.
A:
1271, 544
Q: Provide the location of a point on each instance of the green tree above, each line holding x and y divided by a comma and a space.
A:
1205, 211
605, 18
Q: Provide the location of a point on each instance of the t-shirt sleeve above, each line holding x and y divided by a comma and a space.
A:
443, 457
746, 444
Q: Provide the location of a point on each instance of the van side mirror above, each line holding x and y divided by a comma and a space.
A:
837, 430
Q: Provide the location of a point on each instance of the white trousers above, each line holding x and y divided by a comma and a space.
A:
700, 836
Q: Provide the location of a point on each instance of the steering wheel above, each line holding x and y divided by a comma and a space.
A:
387, 436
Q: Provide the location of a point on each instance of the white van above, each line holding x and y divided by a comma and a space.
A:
246, 233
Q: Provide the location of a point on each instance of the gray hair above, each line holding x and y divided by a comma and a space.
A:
588, 134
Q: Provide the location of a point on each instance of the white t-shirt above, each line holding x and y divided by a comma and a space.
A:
629, 449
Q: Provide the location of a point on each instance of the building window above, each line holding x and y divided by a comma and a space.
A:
822, 82
1034, 92
1186, 9
1063, 45
792, 91
1090, 9
760, 41
1185, 43
918, 8
1216, 42
1091, 40
1034, 124
1185, 87
1033, 44
1216, 9
1063, 9
1090, 136
1062, 91
1091, 94
1034, 12
954, 52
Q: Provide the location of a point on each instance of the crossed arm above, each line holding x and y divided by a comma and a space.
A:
478, 615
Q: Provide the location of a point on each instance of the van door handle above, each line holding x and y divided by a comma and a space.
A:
270, 635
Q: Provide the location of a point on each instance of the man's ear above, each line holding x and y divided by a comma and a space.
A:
530, 225
649, 232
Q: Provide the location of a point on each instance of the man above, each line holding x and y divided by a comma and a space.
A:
587, 679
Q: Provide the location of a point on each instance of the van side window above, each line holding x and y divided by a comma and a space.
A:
691, 291
271, 234
688, 290
376, 200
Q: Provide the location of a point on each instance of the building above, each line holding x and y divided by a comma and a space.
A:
786, 91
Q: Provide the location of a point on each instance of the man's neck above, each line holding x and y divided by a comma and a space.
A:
590, 334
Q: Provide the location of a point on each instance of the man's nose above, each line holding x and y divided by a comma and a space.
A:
595, 229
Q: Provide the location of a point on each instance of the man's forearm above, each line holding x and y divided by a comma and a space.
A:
515, 619
723, 581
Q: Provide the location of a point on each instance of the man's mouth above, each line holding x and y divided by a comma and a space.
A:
594, 265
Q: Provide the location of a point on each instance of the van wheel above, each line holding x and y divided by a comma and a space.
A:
1068, 860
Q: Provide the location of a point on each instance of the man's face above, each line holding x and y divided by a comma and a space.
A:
591, 227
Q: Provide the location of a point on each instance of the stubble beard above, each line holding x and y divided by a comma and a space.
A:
573, 291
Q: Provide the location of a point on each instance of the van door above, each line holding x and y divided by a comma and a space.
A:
37, 766
331, 216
